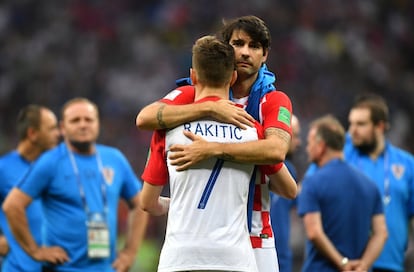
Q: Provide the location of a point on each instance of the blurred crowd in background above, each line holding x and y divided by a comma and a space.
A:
124, 54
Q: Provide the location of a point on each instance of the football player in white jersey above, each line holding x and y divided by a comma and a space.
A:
207, 220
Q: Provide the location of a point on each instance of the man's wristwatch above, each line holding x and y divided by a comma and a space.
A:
344, 261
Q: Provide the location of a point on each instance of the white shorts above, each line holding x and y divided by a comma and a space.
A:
266, 259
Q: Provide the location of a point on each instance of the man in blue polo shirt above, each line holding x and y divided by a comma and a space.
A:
341, 208
80, 183
37, 131
391, 168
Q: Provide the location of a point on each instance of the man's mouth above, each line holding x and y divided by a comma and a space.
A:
243, 63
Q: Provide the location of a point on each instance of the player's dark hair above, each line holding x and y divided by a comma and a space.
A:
252, 25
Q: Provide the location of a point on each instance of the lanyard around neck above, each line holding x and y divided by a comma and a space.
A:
78, 179
387, 194
386, 182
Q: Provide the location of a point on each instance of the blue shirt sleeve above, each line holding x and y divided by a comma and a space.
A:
131, 184
39, 175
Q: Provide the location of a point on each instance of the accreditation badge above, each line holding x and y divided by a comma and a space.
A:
98, 236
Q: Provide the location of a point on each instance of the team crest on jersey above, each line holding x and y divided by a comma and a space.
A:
173, 94
397, 170
108, 174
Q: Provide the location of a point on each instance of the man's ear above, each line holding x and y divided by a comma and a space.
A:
193, 76
265, 54
32, 134
384, 126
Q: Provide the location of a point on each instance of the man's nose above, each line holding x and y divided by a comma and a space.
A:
245, 50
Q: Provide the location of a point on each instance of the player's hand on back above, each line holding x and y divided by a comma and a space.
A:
184, 156
226, 111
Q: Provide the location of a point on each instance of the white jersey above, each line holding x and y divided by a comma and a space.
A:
275, 109
207, 221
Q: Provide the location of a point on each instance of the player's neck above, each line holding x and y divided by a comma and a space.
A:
29, 151
329, 156
206, 91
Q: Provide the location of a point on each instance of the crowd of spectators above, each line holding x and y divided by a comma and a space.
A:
124, 54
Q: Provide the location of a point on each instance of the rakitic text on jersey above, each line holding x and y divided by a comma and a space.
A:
213, 129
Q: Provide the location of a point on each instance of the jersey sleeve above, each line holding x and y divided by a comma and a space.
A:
180, 96
156, 171
271, 169
266, 169
276, 111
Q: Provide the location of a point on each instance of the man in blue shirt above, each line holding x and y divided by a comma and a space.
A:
38, 131
280, 207
80, 183
391, 168
341, 208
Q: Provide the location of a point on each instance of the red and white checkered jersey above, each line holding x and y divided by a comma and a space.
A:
272, 106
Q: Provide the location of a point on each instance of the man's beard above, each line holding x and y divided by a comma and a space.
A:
367, 147
81, 147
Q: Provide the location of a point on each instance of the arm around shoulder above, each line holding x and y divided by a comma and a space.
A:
271, 150
159, 115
